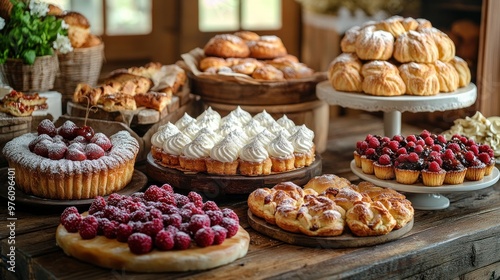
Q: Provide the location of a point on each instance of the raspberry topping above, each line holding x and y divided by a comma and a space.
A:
230, 225
204, 236
88, 227
484, 157
140, 243
47, 127
434, 167
384, 160
220, 234
164, 240
182, 240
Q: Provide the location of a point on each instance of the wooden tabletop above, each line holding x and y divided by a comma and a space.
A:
462, 240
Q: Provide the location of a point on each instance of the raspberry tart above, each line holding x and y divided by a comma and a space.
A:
153, 231
71, 162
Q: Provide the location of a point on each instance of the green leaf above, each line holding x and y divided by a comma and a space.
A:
29, 57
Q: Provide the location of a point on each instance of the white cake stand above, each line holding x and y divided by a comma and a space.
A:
429, 198
424, 198
393, 106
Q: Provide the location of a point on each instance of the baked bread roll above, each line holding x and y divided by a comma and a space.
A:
323, 182
419, 78
348, 42
400, 209
423, 23
268, 72
447, 76
415, 46
267, 47
291, 69
445, 46
226, 45
393, 25
369, 219
464, 75
212, 62
247, 35
345, 197
409, 23
382, 78
78, 28
374, 45
246, 66
344, 73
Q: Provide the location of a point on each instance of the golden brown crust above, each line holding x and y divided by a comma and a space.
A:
409, 23
323, 182
374, 45
247, 35
268, 72
414, 46
55, 10
78, 30
226, 45
268, 47
153, 100
393, 25
110, 253
212, 61
129, 83
118, 102
344, 73
369, 219
348, 42
382, 78
445, 46
447, 76
464, 75
419, 78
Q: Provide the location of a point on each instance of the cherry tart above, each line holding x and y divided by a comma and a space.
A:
71, 162
153, 231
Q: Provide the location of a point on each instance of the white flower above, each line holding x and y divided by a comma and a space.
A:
38, 8
62, 44
2, 23
64, 25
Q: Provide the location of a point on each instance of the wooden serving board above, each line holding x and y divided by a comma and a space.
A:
216, 185
346, 240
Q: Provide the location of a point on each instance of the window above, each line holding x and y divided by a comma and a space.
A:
231, 15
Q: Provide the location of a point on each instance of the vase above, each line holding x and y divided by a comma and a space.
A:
38, 77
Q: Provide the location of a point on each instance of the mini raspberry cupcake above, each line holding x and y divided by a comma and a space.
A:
433, 175
487, 156
475, 167
383, 168
455, 170
407, 168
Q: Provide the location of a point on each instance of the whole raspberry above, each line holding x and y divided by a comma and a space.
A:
88, 227
384, 160
436, 148
210, 205
474, 149
168, 188
230, 225
198, 221
448, 154
196, 199
401, 151
429, 141
413, 157
419, 149
180, 199
67, 211
174, 219
123, 232
441, 138
172, 229
168, 198
154, 193
170, 209
411, 138
387, 151
139, 216
425, 133
215, 217
186, 215
182, 240
434, 167
420, 142
385, 139
368, 137
469, 156
411, 145
151, 228
114, 213
184, 227
110, 229
370, 151
114, 198
204, 237
454, 147
230, 214
140, 243
393, 145
72, 221
363, 146
470, 142
398, 138
164, 240
155, 214
220, 234
373, 142
484, 148
98, 204
484, 157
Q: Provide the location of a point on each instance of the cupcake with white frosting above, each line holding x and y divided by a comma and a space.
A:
254, 160
281, 153
159, 137
184, 121
223, 158
172, 148
241, 114
195, 153
192, 130
286, 123
303, 148
253, 127
264, 118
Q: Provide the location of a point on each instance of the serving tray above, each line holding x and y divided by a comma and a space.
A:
346, 240
215, 185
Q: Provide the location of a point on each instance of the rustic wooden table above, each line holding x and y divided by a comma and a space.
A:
459, 242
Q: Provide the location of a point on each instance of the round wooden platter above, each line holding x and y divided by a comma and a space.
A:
216, 185
137, 183
346, 240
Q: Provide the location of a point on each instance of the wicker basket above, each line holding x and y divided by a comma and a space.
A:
37, 77
5, 7
82, 65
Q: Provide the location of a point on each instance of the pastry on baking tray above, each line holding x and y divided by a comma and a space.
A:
153, 237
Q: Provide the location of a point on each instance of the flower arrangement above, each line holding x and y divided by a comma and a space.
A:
370, 7
31, 32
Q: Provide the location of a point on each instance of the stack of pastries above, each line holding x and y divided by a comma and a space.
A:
398, 56
236, 144
330, 205
247, 53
